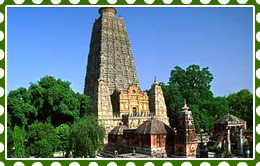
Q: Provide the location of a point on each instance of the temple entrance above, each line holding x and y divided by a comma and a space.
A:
134, 110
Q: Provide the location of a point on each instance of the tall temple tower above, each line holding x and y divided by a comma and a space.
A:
111, 80
110, 57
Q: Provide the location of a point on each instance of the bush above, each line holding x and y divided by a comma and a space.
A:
63, 133
87, 137
42, 140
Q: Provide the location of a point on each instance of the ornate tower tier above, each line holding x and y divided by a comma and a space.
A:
111, 81
157, 103
186, 141
110, 55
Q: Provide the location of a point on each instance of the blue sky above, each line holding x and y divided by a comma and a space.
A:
55, 41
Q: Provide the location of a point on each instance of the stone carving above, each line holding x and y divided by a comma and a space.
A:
156, 101
186, 140
132, 101
104, 105
111, 80
110, 54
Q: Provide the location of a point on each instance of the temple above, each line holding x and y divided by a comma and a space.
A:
228, 134
186, 141
111, 80
136, 121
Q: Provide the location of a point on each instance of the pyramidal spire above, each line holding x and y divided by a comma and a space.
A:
110, 56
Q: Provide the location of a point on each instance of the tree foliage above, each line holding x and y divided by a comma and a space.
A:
193, 84
42, 140
55, 99
46, 110
20, 109
48, 98
18, 138
241, 105
10, 142
87, 137
174, 102
63, 133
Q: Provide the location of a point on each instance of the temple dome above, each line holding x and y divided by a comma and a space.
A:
118, 130
229, 119
153, 127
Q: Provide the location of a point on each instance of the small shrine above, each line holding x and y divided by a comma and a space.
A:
115, 136
155, 138
228, 134
186, 140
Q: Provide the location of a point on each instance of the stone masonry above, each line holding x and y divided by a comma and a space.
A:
110, 55
111, 80
186, 140
157, 103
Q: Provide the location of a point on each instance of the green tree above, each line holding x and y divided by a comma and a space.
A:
18, 139
48, 98
85, 104
63, 133
49, 101
10, 142
174, 102
55, 99
86, 137
241, 105
217, 107
201, 118
20, 110
192, 84
211, 110
42, 140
